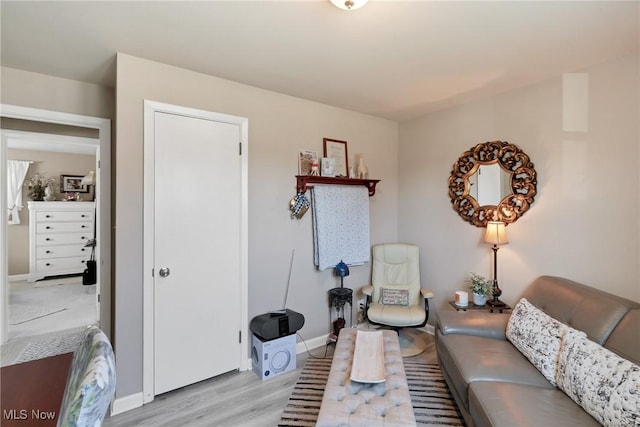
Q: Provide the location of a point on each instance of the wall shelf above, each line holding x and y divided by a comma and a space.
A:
304, 182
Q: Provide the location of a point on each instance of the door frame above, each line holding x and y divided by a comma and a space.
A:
103, 205
150, 108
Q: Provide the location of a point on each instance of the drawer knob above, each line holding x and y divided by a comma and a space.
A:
83, 226
47, 264
82, 250
48, 252
47, 216
82, 237
47, 239
82, 216
47, 227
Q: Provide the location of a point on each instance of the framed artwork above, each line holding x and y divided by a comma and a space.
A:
72, 183
337, 150
328, 166
306, 160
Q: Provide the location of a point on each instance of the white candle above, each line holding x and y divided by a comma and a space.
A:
462, 298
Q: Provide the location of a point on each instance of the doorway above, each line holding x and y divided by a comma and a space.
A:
100, 146
47, 299
195, 246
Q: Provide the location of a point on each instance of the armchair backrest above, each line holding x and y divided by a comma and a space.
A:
396, 266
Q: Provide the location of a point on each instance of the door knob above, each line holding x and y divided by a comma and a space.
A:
164, 272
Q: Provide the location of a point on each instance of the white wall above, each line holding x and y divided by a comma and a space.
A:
585, 221
279, 126
35, 90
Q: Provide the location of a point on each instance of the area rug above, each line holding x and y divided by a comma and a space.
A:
22, 313
433, 404
52, 346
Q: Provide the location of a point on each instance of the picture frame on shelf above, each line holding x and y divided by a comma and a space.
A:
72, 183
337, 150
328, 167
306, 159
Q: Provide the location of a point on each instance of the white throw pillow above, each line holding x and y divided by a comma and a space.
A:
537, 336
603, 383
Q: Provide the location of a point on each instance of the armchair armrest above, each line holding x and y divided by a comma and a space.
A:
426, 293
488, 325
367, 290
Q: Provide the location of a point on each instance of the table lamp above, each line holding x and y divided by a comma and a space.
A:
496, 234
341, 270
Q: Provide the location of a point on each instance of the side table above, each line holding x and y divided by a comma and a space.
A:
485, 307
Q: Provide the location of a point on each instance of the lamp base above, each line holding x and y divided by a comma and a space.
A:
495, 303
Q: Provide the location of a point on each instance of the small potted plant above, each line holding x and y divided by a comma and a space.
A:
480, 287
37, 184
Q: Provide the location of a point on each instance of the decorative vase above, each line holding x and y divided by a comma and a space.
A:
48, 194
479, 299
36, 193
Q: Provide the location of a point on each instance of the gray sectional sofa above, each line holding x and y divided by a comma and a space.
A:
495, 384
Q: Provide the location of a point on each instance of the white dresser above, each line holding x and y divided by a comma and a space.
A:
58, 232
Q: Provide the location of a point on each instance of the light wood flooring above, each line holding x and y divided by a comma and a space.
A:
232, 399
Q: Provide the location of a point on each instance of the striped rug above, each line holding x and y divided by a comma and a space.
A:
432, 402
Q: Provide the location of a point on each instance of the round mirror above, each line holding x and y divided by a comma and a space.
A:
492, 181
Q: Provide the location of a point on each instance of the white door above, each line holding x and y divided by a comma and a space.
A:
197, 249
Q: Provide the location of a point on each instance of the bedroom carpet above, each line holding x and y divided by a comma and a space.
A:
433, 404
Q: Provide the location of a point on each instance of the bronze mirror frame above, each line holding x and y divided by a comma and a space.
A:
513, 161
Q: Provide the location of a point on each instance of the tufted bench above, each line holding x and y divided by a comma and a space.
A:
349, 403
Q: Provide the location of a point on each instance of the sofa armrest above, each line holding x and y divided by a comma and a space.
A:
481, 324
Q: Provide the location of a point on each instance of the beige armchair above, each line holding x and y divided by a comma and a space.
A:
394, 298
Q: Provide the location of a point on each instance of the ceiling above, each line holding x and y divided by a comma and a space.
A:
392, 59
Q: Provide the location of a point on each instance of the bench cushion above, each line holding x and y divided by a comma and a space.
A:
356, 404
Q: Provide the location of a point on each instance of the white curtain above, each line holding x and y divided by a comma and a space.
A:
16, 172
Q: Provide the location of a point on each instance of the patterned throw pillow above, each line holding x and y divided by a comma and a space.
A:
603, 383
395, 296
537, 336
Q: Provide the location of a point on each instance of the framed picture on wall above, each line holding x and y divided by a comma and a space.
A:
337, 150
306, 160
72, 183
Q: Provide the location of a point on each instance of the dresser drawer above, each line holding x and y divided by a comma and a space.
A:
63, 238
61, 251
54, 264
64, 216
63, 227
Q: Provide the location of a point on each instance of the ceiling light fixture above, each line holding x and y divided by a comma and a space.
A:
349, 4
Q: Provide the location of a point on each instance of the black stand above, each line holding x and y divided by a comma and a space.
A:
495, 302
338, 297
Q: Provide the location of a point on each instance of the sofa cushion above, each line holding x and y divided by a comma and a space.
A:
467, 359
624, 339
604, 384
575, 305
537, 336
504, 404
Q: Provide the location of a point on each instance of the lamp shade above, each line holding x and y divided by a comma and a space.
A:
496, 233
89, 179
349, 4
341, 269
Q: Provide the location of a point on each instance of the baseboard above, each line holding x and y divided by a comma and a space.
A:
18, 277
126, 403
312, 343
